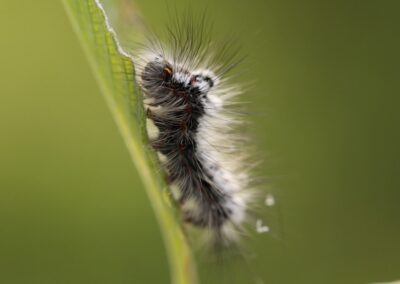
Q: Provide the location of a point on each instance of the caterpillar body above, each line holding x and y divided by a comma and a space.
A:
193, 126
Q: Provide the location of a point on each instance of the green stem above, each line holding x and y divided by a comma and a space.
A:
114, 71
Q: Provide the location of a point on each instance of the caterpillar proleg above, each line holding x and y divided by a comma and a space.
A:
190, 102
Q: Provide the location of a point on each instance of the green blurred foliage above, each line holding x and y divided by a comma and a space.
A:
325, 111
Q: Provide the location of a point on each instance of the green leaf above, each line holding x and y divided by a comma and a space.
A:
114, 71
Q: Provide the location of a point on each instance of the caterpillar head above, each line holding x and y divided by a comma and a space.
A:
158, 72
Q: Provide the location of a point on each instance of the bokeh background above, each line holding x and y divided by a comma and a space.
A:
324, 104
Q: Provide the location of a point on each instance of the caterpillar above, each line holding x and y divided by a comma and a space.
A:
194, 125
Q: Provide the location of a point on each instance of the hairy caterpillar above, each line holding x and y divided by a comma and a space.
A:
190, 101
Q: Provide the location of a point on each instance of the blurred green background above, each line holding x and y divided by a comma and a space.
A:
325, 111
